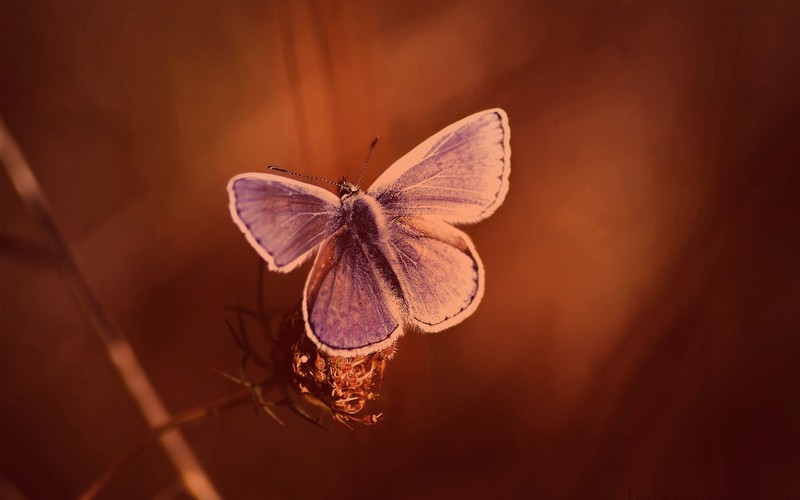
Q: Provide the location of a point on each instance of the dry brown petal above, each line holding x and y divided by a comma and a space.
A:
343, 385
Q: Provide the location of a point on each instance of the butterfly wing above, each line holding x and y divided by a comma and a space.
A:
459, 175
352, 303
439, 270
283, 219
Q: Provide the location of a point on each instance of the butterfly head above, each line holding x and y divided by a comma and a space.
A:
346, 189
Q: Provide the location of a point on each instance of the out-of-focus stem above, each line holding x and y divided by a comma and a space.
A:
119, 350
189, 417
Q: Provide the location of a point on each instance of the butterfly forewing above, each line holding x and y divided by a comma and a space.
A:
459, 175
284, 220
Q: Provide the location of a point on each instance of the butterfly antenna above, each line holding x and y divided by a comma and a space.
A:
369, 155
312, 177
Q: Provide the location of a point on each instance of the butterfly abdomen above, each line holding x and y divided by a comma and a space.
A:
364, 217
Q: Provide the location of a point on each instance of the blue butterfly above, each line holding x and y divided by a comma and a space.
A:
387, 257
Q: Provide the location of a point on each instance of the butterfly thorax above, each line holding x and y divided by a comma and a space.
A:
363, 215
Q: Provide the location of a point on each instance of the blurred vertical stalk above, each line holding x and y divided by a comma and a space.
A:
119, 350
332, 91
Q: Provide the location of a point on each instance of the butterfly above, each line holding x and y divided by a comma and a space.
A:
388, 257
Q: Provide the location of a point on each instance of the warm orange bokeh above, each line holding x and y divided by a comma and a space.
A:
639, 331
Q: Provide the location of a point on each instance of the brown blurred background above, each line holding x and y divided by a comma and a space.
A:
639, 332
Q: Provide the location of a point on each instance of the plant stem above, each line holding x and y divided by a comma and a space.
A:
192, 416
119, 350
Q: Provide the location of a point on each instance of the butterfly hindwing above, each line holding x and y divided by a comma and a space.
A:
439, 270
283, 219
459, 175
352, 301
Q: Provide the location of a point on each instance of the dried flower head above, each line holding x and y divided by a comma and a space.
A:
344, 385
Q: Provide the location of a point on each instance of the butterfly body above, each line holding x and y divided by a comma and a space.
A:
387, 257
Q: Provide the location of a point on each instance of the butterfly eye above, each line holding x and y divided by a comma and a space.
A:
346, 189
